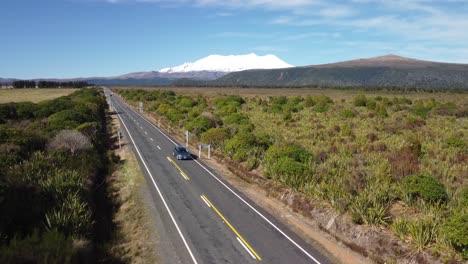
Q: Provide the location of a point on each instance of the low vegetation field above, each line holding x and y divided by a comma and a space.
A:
31, 95
394, 161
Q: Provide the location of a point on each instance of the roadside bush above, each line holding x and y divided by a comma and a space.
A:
187, 102
238, 147
67, 119
296, 155
289, 172
49, 247
47, 108
425, 187
25, 110
199, 125
215, 136
7, 111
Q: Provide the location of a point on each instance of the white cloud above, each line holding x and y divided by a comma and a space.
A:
337, 11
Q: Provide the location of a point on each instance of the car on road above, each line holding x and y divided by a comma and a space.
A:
181, 153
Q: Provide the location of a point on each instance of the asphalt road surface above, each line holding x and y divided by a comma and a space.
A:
205, 219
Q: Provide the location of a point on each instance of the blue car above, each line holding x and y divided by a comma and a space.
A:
181, 153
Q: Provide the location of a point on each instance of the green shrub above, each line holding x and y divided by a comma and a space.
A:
238, 147
456, 229
187, 102
7, 111
425, 187
290, 172
47, 108
360, 100
455, 142
25, 110
215, 136
371, 104
347, 113
48, 247
67, 119
381, 110
199, 125
321, 107
295, 152
236, 119
420, 109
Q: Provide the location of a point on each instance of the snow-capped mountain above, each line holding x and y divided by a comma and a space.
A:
230, 63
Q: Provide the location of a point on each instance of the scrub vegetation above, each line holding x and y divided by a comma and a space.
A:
52, 155
396, 162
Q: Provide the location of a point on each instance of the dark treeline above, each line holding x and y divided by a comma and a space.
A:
49, 84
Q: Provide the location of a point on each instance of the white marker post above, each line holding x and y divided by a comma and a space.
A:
140, 107
187, 134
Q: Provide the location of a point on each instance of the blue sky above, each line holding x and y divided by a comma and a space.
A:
82, 38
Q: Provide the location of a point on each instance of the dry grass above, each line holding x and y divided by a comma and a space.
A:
133, 241
31, 95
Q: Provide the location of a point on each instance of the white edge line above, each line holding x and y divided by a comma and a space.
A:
203, 198
238, 196
240, 241
160, 194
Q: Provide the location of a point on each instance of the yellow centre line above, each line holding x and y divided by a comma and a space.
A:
232, 228
181, 171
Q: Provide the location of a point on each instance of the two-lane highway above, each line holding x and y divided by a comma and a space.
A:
208, 220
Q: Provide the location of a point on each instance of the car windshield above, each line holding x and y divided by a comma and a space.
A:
181, 149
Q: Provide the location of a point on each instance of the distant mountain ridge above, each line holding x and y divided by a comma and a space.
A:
388, 70
383, 71
208, 68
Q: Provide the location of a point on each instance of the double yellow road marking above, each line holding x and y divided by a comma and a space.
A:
239, 237
180, 170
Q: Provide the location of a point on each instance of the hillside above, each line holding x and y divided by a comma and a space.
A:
387, 70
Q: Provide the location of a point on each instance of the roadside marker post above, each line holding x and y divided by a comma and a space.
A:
187, 134
140, 107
